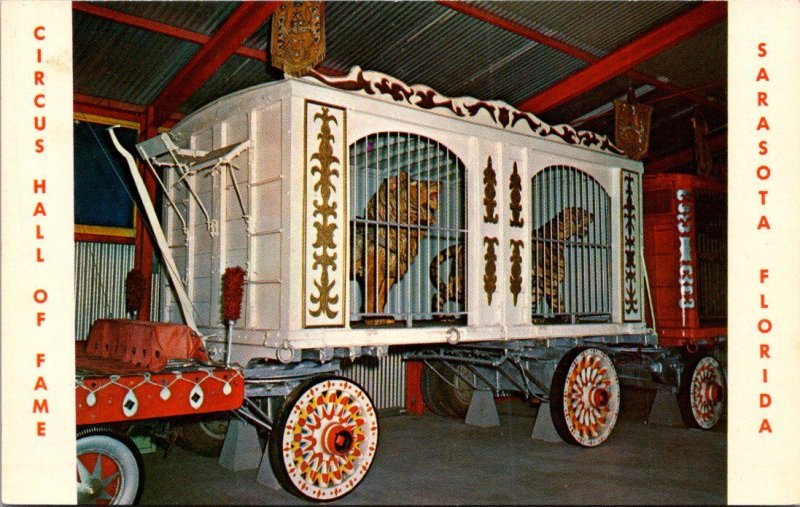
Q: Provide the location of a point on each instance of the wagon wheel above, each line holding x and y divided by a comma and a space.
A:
109, 468
325, 439
584, 397
701, 396
442, 398
205, 435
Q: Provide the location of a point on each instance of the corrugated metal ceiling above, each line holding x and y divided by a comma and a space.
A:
424, 42
201, 17
418, 42
596, 27
235, 74
696, 61
116, 61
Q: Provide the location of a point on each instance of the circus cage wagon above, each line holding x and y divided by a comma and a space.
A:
504, 253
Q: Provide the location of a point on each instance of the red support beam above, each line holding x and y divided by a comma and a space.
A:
162, 28
114, 109
629, 56
139, 22
143, 244
575, 52
677, 159
516, 28
103, 238
220, 46
414, 402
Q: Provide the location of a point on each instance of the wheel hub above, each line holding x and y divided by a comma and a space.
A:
599, 397
706, 393
338, 440
713, 392
90, 490
590, 398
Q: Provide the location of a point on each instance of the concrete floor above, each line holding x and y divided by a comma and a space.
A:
434, 460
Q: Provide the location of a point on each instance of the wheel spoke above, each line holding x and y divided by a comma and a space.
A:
110, 479
706, 381
115, 474
590, 414
83, 472
98, 468
335, 424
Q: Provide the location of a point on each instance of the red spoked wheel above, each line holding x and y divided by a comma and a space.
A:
109, 468
584, 397
326, 439
701, 396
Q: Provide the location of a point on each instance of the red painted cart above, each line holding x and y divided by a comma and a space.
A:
130, 371
685, 238
685, 250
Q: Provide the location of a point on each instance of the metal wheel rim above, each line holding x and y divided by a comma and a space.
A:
589, 420
107, 472
329, 406
706, 410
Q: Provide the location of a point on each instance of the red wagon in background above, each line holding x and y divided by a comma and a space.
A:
685, 237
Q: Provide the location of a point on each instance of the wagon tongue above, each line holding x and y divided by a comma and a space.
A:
162, 151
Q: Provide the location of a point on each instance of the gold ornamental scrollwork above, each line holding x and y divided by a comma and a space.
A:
490, 193
630, 217
702, 152
298, 37
515, 280
490, 268
632, 128
516, 198
325, 214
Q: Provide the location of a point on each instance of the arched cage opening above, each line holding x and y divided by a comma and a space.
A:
571, 254
407, 231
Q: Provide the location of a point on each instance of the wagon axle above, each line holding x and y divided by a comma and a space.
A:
599, 397
337, 440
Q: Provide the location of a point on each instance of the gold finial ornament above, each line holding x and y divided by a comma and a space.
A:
298, 37
702, 153
632, 126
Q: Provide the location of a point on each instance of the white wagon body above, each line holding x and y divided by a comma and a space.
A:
368, 213
308, 158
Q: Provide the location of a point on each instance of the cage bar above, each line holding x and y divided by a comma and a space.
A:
572, 247
407, 198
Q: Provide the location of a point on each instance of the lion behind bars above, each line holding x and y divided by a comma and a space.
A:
382, 252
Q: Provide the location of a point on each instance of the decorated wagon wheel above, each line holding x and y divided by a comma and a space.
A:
584, 397
325, 439
701, 396
109, 468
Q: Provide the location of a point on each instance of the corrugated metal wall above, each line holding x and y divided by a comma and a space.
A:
100, 271
384, 379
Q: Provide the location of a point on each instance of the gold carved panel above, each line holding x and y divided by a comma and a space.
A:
324, 215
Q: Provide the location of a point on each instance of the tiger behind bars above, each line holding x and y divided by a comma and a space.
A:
409, 206
548, 259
